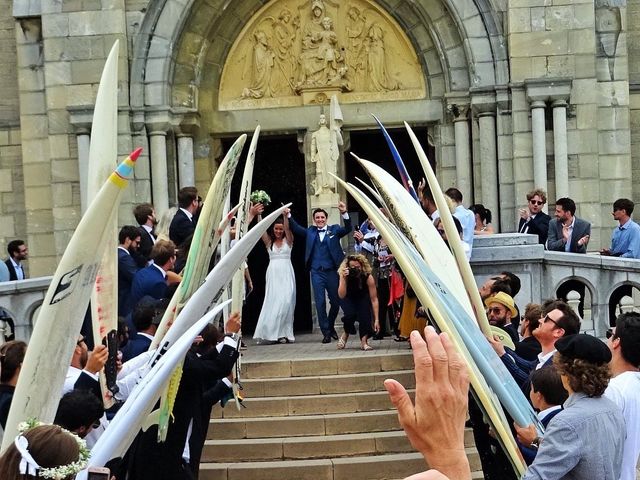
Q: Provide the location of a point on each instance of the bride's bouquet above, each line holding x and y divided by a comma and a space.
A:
260, 196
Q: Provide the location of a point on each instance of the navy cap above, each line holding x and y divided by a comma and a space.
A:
584, 347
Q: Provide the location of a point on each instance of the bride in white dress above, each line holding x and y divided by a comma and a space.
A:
275, 323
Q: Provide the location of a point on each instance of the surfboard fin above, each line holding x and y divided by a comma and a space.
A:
151, 420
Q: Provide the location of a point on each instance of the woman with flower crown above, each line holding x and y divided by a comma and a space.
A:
275, 323
44, 451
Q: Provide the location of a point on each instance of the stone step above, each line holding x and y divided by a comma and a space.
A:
311, 447
308, 405
339, 365
317, 385
380, 467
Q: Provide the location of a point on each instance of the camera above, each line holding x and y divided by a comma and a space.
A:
354, 272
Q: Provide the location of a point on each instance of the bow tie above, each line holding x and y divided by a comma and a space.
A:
322, 230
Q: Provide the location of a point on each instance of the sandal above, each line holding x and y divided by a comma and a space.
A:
366, 347
341, 343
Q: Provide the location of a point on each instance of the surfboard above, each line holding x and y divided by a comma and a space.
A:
434, 295
452, 234
103, 157
125, 425
55, 332
402, 169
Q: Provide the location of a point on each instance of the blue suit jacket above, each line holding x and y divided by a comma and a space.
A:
127, 268
181, 227
148, 281
136, 345
334, 234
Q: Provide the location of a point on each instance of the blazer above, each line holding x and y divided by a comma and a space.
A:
555, 242
538, 226
148, 281
127, 268
12, 270
181, 227
136, 345
334, 233
146, 244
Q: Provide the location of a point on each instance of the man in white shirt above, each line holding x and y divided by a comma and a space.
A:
624, 386
18, 252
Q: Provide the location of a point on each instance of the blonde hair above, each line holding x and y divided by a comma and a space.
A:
366, 266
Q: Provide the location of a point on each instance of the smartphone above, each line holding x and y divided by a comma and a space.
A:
356, 228
98, 473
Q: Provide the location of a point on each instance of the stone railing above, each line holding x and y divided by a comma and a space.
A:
596, 279
591, 279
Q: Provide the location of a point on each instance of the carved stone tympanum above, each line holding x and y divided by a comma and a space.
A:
295, 52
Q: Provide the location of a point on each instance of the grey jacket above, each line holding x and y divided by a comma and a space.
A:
582, 442
556, 242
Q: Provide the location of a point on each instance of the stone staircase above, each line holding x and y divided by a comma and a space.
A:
318, 419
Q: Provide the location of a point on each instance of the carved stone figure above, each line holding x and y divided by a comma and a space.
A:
325, 151
355, 43
284, 31
262, 67
378, 78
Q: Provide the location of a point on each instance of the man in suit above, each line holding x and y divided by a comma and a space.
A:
184, 223
18, 252
529, 347
152, 280
146, 318
145, 215
323, 254
532, 219
568, 233
129, 239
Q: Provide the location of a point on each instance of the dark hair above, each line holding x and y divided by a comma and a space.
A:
457, 223
211, 335
624, 204
278, 221
123, 332
583, 376
454, 194
143, 315
11, 357
483, 213
49, 445
128, 231
14, 246
141, 212
514, 281
567, 205
539, 192
500, 285
78, 408
186, 196
547, 381
533, 313
317, 210
162, 252
569, 321
628, 331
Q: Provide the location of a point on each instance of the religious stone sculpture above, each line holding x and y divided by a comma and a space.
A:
325, 151
262, 66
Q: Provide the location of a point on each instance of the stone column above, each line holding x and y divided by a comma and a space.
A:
560, 148
159, 181
459, 109
186, 170
484, 108
539, 144
81, 117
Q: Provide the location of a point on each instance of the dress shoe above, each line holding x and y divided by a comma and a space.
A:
326, 339
334, 335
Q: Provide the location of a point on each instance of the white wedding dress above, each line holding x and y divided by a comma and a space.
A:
276, 317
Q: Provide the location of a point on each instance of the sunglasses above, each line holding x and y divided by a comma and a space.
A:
536, 202
547, 317
609, 333
495, 310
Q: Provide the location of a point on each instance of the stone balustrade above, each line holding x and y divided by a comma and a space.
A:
542, 273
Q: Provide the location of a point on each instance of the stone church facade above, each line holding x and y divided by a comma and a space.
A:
514, 94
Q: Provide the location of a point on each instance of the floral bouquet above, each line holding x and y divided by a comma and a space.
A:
260, 196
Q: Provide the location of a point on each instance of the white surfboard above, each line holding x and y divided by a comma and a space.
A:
55, 332
434, 295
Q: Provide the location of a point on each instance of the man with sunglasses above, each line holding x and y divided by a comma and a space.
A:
558, 320
532, 219
624, 386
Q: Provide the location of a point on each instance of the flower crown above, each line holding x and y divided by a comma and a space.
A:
55, 473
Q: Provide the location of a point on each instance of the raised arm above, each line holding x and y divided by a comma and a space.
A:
342, 231
266, 239
297, 229
287, 230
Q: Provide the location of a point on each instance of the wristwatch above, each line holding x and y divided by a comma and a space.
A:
535, 444
234, 336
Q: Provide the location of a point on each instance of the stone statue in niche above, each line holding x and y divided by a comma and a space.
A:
355, 44
261, 68
377, 78
285, 32
325, 151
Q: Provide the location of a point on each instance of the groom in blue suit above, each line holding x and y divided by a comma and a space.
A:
323, 254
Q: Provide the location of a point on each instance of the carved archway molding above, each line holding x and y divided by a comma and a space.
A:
459, 45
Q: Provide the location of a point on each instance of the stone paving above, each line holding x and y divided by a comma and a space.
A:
309, 346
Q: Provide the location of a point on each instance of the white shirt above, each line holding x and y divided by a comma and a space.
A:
148, 229
345, 215
624, 390
18, 268
542, 359
468, 221
547, 411
567, 246
188, 214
